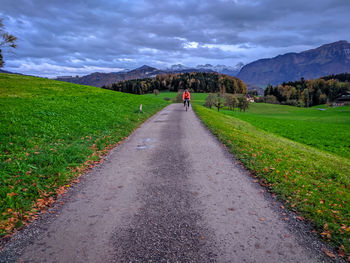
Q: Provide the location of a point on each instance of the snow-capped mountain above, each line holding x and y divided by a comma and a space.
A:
177, 67
229, 70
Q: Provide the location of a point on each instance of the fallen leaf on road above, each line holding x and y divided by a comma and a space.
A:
341, 253
328, 253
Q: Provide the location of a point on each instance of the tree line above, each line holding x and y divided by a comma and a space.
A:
231, 101
194, 82
307, 93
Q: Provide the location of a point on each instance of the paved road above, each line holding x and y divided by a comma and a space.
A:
170, 193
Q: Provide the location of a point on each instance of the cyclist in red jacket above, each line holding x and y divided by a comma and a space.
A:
186, 97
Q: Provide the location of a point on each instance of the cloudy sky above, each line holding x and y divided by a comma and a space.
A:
78, 37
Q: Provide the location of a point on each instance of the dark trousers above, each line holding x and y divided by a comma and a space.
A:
188, 102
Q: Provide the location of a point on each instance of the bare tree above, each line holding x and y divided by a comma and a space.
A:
219, 101
243, 103
6, 41
230, 101
210, 100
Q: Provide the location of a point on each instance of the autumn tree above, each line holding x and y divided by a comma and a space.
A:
307, 93
306, 97
6, 41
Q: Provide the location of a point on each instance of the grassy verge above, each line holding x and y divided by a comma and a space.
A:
314, 183
51, 132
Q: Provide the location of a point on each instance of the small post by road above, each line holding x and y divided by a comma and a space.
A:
140, 107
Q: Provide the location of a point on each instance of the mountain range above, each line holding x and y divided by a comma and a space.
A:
106, 79
333, 58
98, 79
325, 60
223, 69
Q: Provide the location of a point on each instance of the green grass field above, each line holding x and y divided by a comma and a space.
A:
328, 130
311, 181
51, 132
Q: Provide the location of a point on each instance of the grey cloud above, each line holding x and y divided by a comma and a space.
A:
102, 33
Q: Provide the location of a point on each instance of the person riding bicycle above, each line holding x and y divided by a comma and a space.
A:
186, 97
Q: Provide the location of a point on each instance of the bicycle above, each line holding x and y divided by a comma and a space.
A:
187, 104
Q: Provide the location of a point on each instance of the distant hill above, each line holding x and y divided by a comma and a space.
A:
98, 79
4, 71
328, 59
106, 79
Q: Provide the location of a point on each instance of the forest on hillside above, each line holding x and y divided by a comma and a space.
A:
194, 82
343, 77
307, 93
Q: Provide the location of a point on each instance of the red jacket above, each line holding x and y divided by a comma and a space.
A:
186, 95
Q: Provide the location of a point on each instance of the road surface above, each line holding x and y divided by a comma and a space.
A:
169, 193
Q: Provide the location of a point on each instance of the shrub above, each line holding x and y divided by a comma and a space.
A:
290, 102
270, 99
156, 92
178, 98
259, 99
